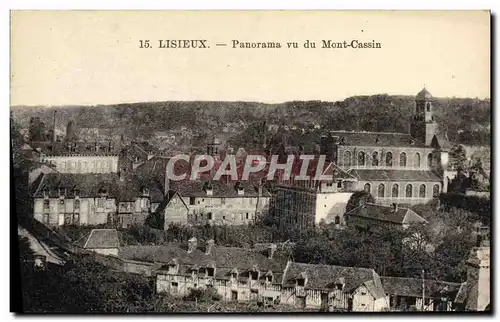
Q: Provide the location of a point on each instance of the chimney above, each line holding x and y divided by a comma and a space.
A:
192, 244
271, 249
394, 207
209, 245
54, 135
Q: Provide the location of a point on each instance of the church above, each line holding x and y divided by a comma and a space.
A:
404, 168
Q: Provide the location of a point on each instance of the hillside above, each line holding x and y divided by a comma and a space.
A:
467, 121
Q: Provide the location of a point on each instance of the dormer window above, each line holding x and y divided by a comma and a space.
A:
254, 275
269, 277
62, 192
45, 193
102, 191
210, 271
239, 188
234, 274
301, 282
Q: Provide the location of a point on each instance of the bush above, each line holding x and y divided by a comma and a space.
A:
203, 295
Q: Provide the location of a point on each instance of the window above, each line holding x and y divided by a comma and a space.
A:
381, 190
61, 202
46, 219
363, 293
402, 159
367, 188
101, 202
417, 160
77, 204
223, 201
435, 191
429, 160
388, 159
301, 282
174, 287
395, 190
76, 219
191, 201
269, 278
409, 191
361, 158
67, 219
339, 184
375, 159
234, 275
254, 276
210, 271
246, 216
223, 217
209, 216
347, 159
422, 191
46, 204
428, 107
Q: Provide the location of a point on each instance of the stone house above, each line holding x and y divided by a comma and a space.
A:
94, 199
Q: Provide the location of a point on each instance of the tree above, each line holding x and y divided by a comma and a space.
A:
358, 198
458, 157
71, 131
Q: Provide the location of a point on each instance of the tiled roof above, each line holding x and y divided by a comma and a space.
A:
223, 258
89, 184
404, 286
189, 188
102, 238
441, 141
77, 148
461, 294
326, 276
359, 138
394, 175
386, 213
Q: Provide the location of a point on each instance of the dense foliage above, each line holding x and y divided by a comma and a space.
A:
467, 121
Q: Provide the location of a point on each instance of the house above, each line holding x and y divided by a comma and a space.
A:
103, 241
406, 294
368, 216
94, 199
198, 202
237, 274
333, 288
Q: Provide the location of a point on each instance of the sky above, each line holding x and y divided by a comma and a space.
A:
93, 57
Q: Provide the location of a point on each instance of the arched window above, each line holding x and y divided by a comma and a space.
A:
409, 191
381, 190
375, 159
368, 188
428, 107
347, 159
361, 158
417, 160
388, 159
395, 190
429, 160
435, 191
402, 159
421, 193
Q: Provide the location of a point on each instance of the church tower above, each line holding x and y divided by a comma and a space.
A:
423, 127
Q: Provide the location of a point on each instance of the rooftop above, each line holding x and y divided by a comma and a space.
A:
397, 215
102, 238
394, 175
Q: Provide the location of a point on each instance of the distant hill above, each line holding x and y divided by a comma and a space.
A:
467, 121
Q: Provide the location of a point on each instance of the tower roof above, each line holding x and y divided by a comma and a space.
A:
424, 95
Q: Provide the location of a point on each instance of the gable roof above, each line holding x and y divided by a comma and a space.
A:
412, 287
88, 185
395, 175
441, 141
224, 259
386, 213
102, 238
321, 276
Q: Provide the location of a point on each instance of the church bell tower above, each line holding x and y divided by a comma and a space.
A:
423, 127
